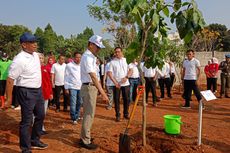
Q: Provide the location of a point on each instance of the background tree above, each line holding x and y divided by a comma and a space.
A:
50, 39
9, 38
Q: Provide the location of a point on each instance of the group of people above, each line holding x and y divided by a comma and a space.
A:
211, 72
39, 84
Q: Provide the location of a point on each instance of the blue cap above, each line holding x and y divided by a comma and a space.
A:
27, 37
227, 55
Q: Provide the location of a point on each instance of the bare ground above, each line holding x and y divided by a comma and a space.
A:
63, 136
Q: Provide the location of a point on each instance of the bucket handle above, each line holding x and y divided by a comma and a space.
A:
179, 122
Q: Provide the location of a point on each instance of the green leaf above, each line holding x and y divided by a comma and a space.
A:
155, 20
181, 24
185, 3
166, 11
177, 5
188, 37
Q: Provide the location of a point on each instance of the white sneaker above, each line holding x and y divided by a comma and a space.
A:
74, 122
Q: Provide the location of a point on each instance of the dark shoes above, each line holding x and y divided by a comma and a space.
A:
44, 132
118, 119
90, 146
39, 146
126, 117
186, 107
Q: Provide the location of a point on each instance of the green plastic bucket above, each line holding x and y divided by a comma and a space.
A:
172, 124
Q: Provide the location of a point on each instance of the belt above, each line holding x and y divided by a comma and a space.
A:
20, 87
133, 78
89, 84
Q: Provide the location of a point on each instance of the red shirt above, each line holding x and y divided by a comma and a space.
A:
46, 83
213, 69
207, 72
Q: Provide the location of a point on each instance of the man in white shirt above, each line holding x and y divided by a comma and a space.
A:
118, 73
73, 86
109, 85
164, 80
134, 79
172, 73
150, 75
190, 76
57, 78
89, 89
26, 70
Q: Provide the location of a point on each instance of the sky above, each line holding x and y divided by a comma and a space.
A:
71, 16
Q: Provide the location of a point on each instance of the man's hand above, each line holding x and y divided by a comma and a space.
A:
117, 85
8, 103
105, 98
51, 97
123, 80
67, 91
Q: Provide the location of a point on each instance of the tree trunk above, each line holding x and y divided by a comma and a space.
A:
143, 48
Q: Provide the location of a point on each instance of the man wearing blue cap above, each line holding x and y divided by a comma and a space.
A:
26, 70
225, 76
89, 89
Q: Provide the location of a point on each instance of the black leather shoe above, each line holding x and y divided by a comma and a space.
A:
39, 146
126, 117
44, 132
118, 119
90, 146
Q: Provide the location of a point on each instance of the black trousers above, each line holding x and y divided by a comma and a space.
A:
162, 83
150, 84
125, 96
212, 84
32, 103
57, 95
172, 78
2, 87
190, 85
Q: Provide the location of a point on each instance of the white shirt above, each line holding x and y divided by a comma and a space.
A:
98, 73
149, 72
102, 69
73, 76
172, 68
165, 71
26, 70
119, 69
88, 65
191, 69
135, 73
109, 82
59, 73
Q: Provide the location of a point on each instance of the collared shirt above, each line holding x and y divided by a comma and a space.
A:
172, 68
26, 70
191, 69
73, 76
109, 82
149, 72
165, 71
135, 73
59, 72
88, 65
119, 69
